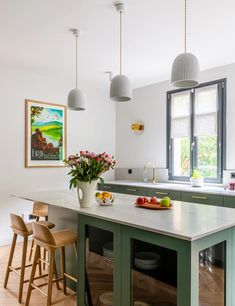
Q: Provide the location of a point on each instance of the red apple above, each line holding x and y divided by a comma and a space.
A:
153, 200
140, 200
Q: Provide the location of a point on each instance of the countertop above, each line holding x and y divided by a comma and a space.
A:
176, 186
185, 221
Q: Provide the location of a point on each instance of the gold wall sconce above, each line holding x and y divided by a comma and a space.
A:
138, 127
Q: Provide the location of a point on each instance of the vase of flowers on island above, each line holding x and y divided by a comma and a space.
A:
86, 170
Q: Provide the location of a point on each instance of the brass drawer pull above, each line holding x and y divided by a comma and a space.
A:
200, 198
107, 187
130, 189
162, 193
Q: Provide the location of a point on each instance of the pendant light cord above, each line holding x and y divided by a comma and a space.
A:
76, 60
185, 26
120, 42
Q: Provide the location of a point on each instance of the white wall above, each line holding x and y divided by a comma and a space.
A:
93, 129
149, 105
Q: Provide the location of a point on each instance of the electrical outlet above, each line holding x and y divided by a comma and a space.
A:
232, 175
129, 171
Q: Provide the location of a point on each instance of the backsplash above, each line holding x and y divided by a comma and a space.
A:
137, 174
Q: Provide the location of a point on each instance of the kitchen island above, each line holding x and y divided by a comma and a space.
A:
123, 231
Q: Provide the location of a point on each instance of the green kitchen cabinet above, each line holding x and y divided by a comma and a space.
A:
132, 190
161, 193
202, 198
229, 201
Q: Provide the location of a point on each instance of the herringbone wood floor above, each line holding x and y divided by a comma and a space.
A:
100, 277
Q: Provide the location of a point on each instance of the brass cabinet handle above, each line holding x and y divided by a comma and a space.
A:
200, 198
107, 187
130, 189
162, 193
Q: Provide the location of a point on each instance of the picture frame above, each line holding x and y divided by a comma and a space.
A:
45, 134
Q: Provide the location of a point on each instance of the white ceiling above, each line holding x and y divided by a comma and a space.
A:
34, 35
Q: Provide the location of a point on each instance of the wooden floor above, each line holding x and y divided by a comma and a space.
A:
100, 279
8, 297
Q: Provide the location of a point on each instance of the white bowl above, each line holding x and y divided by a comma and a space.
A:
106, 201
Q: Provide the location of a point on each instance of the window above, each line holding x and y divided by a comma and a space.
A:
196, 131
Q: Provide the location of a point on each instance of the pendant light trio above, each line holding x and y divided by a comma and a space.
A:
184, 73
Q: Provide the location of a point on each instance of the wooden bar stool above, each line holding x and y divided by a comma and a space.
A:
19, 227
40, 210
51, 242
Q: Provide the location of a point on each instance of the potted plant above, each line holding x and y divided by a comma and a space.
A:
197, 180
86, 169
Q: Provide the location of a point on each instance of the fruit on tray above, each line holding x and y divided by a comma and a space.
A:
153, 200
165, 202
140, 200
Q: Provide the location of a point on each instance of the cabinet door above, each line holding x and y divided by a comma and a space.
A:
229, 201
108, 187
202, 198
161, 193
99, 262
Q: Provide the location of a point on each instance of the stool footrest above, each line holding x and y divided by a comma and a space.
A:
71, 277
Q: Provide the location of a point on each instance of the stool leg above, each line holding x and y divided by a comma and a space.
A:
22, 271
31, 250
56, 276
35, 261
50, 277
44, 257
63, 268
13, 244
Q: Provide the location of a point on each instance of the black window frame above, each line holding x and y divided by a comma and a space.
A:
221, 145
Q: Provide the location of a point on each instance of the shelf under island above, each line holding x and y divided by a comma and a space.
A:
133, 255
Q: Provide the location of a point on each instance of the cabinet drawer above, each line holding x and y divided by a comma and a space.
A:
202, 198
161, 193
134, 190
107, 187
229, 202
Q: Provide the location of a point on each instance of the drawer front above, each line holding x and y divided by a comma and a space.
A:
107, 187
134, 190
202, 198
160, 193
229, 202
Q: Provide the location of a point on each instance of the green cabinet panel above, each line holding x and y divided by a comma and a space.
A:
133, 190
202, 198
229, 201
161, 193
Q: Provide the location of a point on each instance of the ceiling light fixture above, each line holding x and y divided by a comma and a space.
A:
185, 69
120, 88
76, 98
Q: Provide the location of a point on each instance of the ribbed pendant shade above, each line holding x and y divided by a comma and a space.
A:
120, 88
76, 100
185, 71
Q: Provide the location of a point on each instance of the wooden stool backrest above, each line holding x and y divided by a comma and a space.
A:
18, 225
42, 235
40, 209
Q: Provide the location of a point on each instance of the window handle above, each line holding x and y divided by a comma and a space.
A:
192, 145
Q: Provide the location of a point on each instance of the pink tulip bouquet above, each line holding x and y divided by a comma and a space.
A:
88, 166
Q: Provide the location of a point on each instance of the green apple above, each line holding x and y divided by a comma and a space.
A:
165, 202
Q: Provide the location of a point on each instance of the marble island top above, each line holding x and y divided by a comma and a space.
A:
210, 189
185, 221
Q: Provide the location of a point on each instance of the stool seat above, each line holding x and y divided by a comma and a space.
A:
64, 237
46, 223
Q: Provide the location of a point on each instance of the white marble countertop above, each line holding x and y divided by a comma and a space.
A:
217, 190
185, 221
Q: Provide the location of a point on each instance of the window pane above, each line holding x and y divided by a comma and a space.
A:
207, 156
181, 156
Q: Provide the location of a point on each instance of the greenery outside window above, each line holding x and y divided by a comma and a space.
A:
196, 131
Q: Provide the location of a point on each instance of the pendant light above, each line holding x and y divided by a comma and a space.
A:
76, 98
120, 89
185, 69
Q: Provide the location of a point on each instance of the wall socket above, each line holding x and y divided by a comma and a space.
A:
130, 171
232, 175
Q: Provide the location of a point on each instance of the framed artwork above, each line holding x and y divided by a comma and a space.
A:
45, 134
